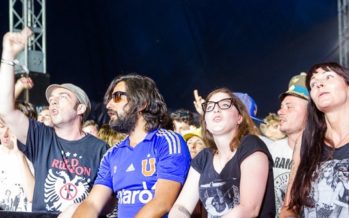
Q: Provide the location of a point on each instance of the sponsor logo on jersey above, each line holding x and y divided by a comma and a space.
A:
132, 197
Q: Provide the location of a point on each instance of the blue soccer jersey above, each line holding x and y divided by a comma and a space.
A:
132, 172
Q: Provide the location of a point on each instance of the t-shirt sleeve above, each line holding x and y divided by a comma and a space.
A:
173, 158
199, 162
104, 171
251, 144
38, 138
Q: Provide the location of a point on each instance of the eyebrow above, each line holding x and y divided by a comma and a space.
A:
325, 71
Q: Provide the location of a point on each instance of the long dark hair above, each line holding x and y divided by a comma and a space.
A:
143, 97
247, 126
312, 148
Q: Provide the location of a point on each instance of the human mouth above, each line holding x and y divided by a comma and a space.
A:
112, 114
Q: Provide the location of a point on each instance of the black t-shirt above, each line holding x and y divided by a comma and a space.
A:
64, 170
219, 192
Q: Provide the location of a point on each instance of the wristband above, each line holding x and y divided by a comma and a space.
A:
8, 62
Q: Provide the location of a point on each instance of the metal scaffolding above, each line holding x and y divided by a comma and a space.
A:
31, 13
343, 31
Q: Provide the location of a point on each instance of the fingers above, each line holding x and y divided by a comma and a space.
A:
198, 101
196, 95
26, 32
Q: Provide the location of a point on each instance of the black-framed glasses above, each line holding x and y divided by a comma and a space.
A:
223, 104
116, 96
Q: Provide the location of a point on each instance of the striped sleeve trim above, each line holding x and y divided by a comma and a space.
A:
173, 141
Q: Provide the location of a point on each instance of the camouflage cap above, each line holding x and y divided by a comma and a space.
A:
296, 87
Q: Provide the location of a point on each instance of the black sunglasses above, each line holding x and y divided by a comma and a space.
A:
116, 96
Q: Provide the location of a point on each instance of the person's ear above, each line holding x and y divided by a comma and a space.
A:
81, 109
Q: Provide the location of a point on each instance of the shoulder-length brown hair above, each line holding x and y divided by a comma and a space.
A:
246, 127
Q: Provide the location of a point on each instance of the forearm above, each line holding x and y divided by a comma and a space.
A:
153, 209
7, 81
28, 178
85, 210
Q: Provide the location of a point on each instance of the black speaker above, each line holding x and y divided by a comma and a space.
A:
36, 95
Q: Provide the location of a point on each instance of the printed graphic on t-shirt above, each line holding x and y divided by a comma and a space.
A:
280, 186
219, 196
66, 183
330, 191
12, 198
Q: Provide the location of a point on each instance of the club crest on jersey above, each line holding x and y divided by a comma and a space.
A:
148, 167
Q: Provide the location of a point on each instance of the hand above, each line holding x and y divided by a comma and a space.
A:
25, 82
198, 102
14, 42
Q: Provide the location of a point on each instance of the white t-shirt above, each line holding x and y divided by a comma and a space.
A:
12, 196
282, 158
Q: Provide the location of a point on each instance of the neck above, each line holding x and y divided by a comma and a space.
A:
337, 127
223, 143
139, 133
294, 139
71, 131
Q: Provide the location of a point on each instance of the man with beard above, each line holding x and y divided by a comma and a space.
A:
147, 169
65, 159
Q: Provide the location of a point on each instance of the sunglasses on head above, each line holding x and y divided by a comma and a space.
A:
116, 96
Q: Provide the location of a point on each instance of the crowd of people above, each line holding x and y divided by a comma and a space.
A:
219, 161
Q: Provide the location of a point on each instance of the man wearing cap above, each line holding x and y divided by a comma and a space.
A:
65, 159
293, 115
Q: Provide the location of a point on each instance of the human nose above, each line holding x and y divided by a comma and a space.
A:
280, 111
108, 106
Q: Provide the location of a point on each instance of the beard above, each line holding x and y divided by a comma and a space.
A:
124, 123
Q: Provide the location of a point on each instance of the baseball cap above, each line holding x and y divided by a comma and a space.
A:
250, 105
297, 87
190, 133
79, 93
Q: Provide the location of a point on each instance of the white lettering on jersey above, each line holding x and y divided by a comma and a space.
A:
132, 197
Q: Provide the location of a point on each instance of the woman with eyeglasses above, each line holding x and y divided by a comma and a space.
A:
233, 176
324, 148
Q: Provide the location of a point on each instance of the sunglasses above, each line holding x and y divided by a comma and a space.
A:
116, 96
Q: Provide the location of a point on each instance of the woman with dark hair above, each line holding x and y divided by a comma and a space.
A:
233, 176
325, 144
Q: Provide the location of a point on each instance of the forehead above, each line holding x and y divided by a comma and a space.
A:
293, 99
120, 86
218, 96
44, 112
194, 138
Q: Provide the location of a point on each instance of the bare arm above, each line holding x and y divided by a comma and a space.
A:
13, 43
252, 190
188, 197
93, 205
166, 192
